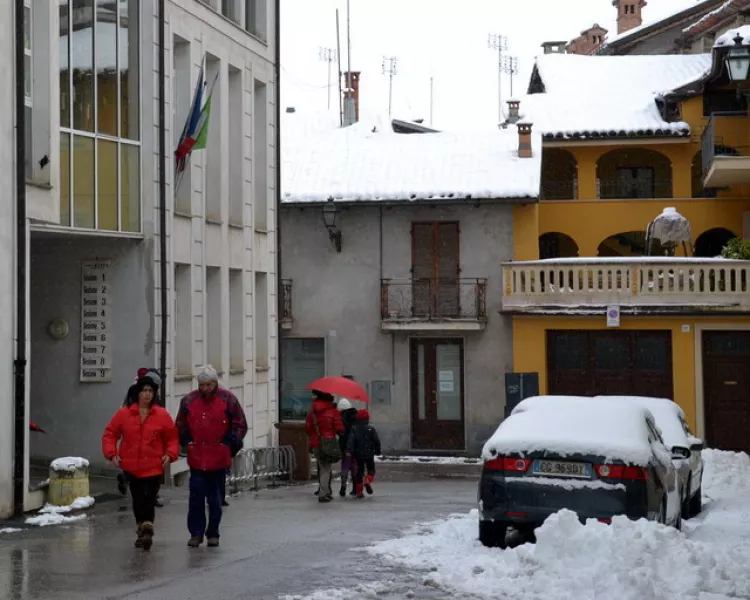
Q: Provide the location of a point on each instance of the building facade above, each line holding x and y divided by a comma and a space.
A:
402, 292
95, 289
593, 313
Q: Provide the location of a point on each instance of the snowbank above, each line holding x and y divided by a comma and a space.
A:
69, 463
46, 519
10, 530
437, 460
51, 514
627, 560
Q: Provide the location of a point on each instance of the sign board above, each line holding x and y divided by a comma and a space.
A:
519, 386
613, 316
96, 321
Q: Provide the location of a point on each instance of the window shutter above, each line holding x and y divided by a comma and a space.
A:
422, 267
448, 289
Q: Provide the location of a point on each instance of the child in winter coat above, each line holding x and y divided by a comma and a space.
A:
364, 445
348, 464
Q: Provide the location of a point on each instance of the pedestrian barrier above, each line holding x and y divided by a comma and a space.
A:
253, 464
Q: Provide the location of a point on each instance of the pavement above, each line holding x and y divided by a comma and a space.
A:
275, 542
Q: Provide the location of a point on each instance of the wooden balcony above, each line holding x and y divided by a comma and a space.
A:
433, 304
638, 285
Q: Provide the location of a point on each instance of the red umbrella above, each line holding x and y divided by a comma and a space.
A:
34, 427
340, 386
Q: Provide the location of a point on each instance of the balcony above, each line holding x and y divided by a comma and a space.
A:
638, 285
286, 318
632, 188
722, 165
433, 304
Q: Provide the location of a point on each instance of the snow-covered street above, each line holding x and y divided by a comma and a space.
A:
626, 560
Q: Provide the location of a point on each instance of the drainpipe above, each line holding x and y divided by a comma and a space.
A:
279, 284
19, 364
163, 197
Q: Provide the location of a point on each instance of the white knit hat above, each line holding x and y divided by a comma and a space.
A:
206, 374
344, 404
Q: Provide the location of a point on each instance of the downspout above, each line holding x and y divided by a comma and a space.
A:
393, 333
279, 283
19, 364
163, 292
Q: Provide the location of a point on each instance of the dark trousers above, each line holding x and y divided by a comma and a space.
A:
205, 488
363, 463
143, 491
223, 484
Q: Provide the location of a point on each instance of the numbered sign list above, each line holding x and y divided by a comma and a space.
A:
96, 341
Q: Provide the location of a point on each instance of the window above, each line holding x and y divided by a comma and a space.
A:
256, 17
214, 325
302, 361
183, 320
214, 154
260, 320
260, 156
236, 318
229, 9
100, 114
182, 94
435, 269
236, 156
635, 182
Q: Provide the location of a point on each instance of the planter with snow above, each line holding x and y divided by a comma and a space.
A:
68, 480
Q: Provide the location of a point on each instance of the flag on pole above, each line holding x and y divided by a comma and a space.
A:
190, 130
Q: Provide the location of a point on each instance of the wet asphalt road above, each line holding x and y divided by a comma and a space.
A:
275, 542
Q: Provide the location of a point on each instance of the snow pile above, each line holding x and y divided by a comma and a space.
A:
69, 463
10, 530
46, 519
578, 425
435, 460
626, 560
52, 514
363, 591
589, 96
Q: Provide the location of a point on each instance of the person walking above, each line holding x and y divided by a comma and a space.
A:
348, 464
141, 439
322, 425
364, 445
212, 425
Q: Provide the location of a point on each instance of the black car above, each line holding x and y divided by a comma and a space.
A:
597, 460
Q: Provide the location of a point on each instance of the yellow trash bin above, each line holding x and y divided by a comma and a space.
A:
68, 480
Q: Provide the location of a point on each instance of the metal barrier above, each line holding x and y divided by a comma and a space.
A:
252, 464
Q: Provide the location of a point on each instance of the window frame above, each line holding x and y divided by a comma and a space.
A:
301, 339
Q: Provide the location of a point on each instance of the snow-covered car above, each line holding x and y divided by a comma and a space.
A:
597, 460
670, 419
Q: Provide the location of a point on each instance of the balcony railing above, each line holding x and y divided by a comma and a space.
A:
287, 319
614, 188
559, 189
638, 281
433, 300
708, 145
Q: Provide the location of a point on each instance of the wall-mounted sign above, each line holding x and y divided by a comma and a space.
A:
96, 321
613, 316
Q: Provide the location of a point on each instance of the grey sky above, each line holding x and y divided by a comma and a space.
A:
431, 38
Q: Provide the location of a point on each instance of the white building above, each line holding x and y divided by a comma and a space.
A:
94, 286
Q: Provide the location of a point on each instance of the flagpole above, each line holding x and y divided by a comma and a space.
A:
197, 97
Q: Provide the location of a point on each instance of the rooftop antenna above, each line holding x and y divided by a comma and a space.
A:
431, 99
338, 58
499, 43
509, 64
328, 55
389, 68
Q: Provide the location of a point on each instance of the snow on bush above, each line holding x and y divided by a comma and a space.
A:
627, 560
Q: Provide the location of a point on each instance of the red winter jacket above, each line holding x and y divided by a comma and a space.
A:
210, 428
329, 422
143, 443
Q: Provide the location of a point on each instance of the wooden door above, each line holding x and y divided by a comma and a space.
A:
435, 269
437, 394
726, 381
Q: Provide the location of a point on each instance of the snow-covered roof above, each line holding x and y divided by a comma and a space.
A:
369, 162
608, 96
576, 425
727, 39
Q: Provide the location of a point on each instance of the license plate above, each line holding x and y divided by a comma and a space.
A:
564, 469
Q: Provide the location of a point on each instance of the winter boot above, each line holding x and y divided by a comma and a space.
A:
139, 536
147, 534
342, 491
195, 541
213, 542
368, 483
358, 488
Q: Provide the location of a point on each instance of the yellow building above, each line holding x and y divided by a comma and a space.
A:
626, 137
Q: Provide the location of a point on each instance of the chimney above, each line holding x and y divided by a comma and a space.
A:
351, 97
524, 140
629, 14
554, 47
589, 41
514, 108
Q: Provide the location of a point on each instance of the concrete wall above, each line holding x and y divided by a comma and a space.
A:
73, 413
341, 293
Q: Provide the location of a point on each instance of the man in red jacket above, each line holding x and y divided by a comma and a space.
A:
212, 424
323, 418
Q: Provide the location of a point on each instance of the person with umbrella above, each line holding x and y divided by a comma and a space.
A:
323, 425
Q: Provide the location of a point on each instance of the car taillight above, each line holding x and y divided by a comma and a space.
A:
621, 472
517, 465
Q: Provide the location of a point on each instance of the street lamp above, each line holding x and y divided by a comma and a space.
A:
738, 60
330, 219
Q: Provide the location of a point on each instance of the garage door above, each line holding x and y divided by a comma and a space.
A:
590, 363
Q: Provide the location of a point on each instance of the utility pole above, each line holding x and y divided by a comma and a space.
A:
389, 69
509, 64
328, 55
431, 99
500, 44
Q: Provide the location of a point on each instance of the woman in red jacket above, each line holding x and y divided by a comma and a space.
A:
148, 442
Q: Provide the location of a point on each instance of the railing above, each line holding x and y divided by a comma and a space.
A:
253, 464
286, 301
627, 282
712, 144
708, 143
559, 189
433, 299
614, 188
